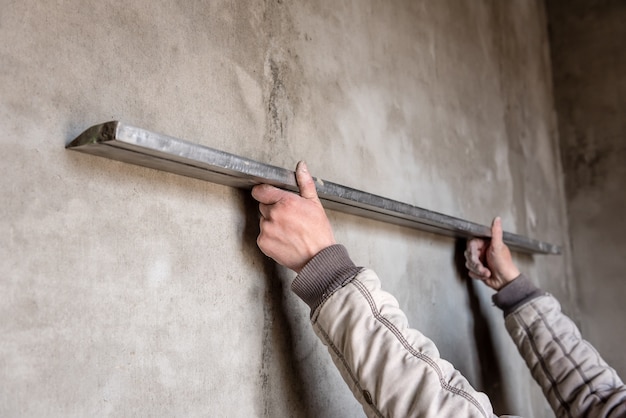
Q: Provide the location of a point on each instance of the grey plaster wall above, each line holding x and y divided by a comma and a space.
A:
131, 292
590, 93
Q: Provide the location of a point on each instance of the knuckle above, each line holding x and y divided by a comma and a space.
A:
288, 201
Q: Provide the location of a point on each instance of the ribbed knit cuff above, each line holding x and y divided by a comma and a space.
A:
323, 274
515, 294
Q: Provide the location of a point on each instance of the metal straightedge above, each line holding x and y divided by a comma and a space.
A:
119, 141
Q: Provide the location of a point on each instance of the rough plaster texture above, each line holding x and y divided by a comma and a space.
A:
128, 291
590, 94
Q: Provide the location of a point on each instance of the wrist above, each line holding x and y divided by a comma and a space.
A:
323, 274
516, 293
511, 274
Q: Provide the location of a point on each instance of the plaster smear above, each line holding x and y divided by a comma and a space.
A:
252, 97
138, 292
385, 156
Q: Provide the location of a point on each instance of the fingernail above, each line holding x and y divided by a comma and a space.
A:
302, 166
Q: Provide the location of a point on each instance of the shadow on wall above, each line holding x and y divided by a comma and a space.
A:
488, 359
281, 379
280, 372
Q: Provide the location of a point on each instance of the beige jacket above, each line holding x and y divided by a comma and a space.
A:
396, 371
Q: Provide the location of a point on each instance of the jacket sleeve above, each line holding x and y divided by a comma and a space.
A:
576, 381
393, 370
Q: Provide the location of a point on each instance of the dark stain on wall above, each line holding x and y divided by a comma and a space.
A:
589, 63
279, 372
277, 104
589, 86
488, 358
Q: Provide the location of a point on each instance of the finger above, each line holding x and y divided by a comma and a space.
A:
477, 276
473, 261
470, 267
496, 233
265, 210
474, 249
466, 254
262, 238
483, 271
471, 254
305, 181
475, 245
264, 193
477, 268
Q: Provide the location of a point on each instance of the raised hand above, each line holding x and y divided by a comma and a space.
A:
293, 228
490, 260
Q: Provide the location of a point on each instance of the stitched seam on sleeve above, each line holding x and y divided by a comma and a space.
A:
346, 367
542, 362
315, 313
586, 381
391, 327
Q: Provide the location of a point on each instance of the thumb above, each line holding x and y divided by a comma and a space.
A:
305, 181
496, 233
266, 194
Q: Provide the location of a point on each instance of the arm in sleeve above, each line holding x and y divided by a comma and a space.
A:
574, 378
392, 370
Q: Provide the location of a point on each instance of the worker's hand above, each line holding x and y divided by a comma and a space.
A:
490, 261
293, 228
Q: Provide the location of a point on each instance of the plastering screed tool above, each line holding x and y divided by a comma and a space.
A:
123, 142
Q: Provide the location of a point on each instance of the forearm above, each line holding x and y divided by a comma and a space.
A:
573, 376
392, 370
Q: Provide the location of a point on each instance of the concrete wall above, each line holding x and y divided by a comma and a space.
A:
128, 291
590, 93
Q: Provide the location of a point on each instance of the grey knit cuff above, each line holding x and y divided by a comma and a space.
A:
323, 274
515, 294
